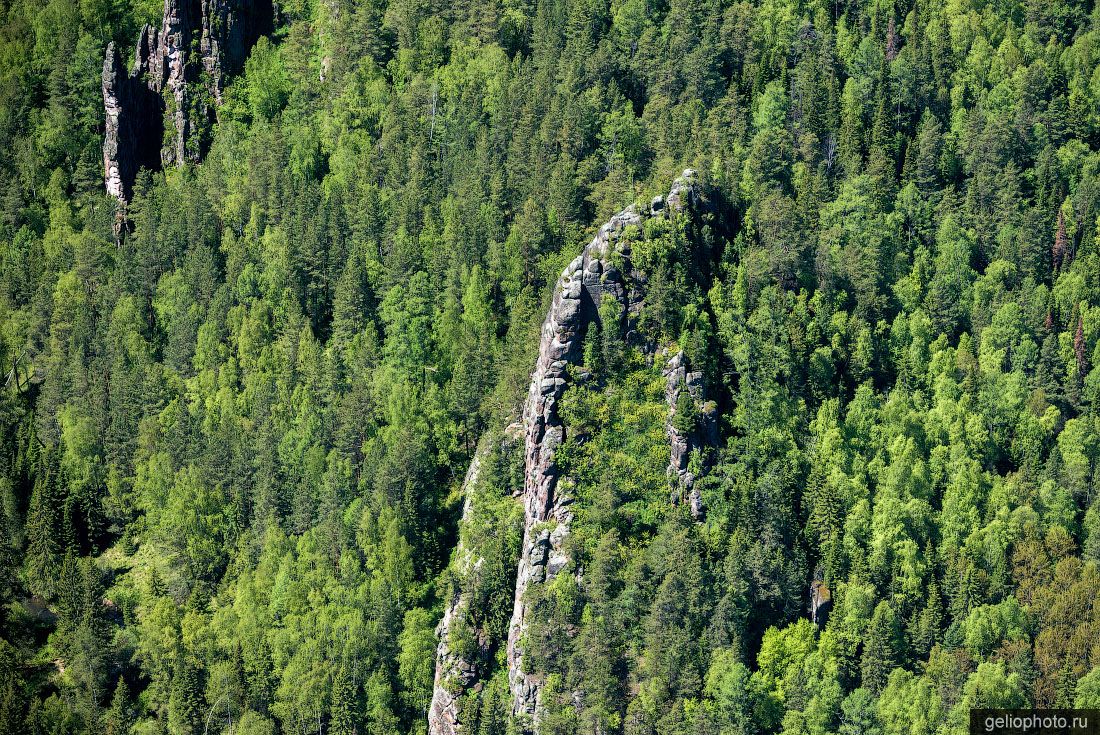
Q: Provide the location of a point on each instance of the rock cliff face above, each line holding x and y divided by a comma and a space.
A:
684, 442
821, 600
133, 124
168, 76
600, 272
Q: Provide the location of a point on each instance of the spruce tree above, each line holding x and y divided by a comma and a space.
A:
43, 556
185, 699
343, 717
13, 701
118, 718
880, 648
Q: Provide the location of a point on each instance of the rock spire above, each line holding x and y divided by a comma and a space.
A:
602, 271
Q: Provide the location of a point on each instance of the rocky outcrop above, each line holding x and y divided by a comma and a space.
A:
602, 271
133, 121
454, 673
687, 436
168, 79
821, 600
230, 30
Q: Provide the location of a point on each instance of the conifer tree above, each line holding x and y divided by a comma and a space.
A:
880, 648
185, 699
343, 717
12, 698
117, 719
43, 555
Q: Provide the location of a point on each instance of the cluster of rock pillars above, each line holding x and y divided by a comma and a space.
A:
157, 115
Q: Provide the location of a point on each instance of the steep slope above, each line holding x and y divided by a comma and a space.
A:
233, 438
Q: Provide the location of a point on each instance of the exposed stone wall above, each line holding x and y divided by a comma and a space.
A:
133, 122
455, 675
590, 278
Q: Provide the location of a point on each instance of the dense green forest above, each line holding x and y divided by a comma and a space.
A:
238, 409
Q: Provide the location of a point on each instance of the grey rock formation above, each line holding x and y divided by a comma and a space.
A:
821, 600
598, 273
705, 433
455, 675
167, 78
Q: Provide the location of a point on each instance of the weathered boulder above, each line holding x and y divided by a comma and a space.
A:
597, 274
167, 79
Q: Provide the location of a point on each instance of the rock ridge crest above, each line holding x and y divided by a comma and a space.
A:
600, 272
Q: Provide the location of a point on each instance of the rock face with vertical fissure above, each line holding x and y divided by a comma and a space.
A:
602, 271
178, 72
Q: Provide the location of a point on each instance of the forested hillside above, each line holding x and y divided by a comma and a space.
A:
813, 442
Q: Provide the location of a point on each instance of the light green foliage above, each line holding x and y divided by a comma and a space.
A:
730, 697
988, 625
619, 468
992, 687
253, 723
416, 659
1088, 690
782, 653
268, 84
